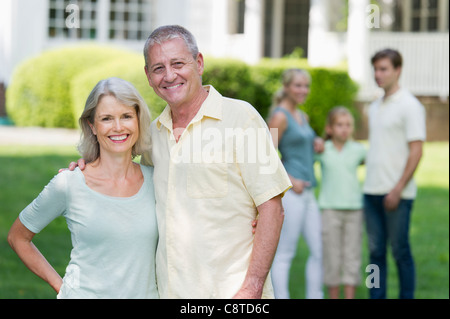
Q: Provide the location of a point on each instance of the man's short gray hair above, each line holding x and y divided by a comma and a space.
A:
169, 32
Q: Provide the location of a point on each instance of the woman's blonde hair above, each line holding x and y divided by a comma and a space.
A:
333, 115
125, 93
286, 79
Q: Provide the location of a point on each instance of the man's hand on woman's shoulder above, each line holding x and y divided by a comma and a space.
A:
80, 163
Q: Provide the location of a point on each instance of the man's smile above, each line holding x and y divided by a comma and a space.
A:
173, 86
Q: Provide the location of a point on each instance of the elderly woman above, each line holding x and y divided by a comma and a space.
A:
109, 208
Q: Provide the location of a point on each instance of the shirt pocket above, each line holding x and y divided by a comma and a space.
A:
207, 180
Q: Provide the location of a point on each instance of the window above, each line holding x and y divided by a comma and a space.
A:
421, 16
105, 19
127, 19
424, 15
72, 19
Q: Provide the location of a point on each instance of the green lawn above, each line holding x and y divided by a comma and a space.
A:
429, 233
25, 170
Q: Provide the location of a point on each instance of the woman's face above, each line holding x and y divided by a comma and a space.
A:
298, 89
116, 126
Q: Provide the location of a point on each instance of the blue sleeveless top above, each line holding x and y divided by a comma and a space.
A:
297, 148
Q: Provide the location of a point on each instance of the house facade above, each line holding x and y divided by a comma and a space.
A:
330, 32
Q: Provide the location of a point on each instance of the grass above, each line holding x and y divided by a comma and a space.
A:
429, 235
25, 170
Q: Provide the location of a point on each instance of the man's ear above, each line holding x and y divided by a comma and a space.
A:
147, 74
399, 71
200, 63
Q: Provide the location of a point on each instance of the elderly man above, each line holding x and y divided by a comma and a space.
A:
216, 170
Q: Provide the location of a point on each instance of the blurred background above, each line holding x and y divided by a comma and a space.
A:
53, 52
328, 33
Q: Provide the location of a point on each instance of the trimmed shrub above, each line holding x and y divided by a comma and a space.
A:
329, 88
39, 93
51, 90
232, 78
129, 68
257, 85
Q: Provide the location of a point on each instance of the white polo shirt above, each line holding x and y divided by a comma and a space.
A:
393, 123
207, 188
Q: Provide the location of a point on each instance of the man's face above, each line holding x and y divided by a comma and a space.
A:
386, 75
173, 73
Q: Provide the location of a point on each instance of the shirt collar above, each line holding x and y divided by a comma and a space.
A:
211, 107
394, 96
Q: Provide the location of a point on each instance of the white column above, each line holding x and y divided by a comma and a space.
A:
318, 28
216, 37
172, 12
357, 41
254, 30
23, 32
102, 20
5, 39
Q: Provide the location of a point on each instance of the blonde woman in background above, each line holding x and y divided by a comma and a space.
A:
297, 143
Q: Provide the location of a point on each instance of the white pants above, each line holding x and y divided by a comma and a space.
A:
302, 217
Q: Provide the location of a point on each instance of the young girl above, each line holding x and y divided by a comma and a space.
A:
341, 201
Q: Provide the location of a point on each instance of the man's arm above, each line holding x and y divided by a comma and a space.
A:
265, 242
392, 199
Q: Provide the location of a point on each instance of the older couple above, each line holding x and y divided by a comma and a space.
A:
203, 211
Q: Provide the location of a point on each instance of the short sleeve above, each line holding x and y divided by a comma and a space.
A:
49, 204
262, 171
415, 120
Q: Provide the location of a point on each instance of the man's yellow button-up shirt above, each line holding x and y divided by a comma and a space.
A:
208, 185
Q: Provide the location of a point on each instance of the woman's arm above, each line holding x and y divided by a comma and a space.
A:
277, 126
19, 238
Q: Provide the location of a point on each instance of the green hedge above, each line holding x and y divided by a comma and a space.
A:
50, 90
39, 92
232, 78
130, 68
329, 88
257, 85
